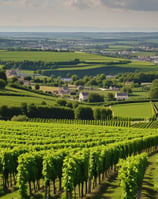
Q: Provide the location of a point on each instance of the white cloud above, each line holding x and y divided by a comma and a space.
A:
82, 4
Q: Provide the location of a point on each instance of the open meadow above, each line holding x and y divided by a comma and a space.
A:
133, 110
14, 97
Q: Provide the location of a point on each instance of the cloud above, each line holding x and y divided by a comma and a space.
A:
138, 5
82, 4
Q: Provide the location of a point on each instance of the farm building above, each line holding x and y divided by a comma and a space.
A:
12, 73
83, 96
113, 88
64, 90
121, 96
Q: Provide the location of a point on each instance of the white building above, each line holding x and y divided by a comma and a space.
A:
83, 96
121, 96
113, 88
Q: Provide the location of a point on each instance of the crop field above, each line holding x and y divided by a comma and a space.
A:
52, 56
133, 110
74, 153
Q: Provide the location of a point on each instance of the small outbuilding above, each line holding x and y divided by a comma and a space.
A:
83, 96
121, 96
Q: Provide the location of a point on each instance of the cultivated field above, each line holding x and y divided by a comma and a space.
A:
91, 64
39, 149
52, 56
133, 110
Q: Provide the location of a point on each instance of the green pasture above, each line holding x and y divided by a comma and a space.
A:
51, 56
14, 97
93, 64
120, 47
139, 93
17, 100
133, 65
146, 53
133, 110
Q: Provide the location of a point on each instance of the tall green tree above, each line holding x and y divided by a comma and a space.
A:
2, 84
3, 75
154, 89
95, 97
84, 113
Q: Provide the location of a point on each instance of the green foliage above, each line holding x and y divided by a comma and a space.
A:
131, 173
3, 75
37, 86
126, 89
8, 112
106, 114
95, 97
69, 104
97, 114
83, 113
61, 102
75, 104
79, 83
107, 83
19, 118
88, 151
102, 114
74, 78
154, 89
2, 84
110, 96
14, 79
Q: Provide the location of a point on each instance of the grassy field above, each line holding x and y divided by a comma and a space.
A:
52, 56
14, 97
133, 110
91, 64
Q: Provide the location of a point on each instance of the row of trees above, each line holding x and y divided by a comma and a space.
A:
33, 111
36, 65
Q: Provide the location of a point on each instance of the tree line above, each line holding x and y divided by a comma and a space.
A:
45, 112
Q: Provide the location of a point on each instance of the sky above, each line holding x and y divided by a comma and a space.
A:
79, 15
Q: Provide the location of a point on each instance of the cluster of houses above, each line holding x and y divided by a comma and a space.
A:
153, 59
83, 96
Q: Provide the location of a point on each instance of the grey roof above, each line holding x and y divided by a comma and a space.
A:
122, 94
84, 93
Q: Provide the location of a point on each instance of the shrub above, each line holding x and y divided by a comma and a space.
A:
83, 113
61, 102
2, 83
19, 118
95, 97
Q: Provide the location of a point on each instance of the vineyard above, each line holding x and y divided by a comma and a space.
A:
68, 160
